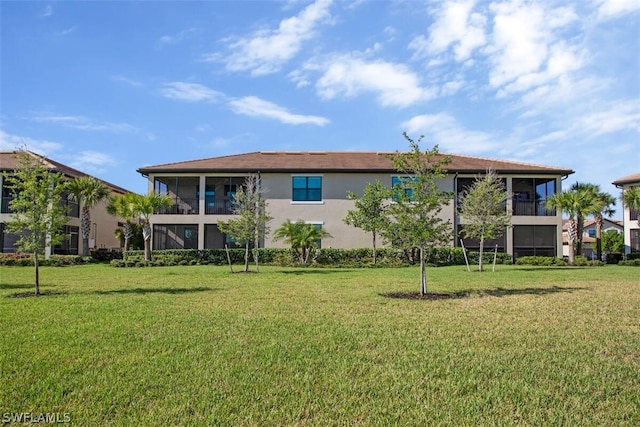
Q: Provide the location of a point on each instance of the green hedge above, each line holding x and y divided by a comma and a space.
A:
362, 257
26, 260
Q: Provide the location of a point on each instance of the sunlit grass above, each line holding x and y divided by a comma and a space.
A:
200, 346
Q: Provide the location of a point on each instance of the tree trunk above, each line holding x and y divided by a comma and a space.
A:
374, 247
599, 237
35, 263
246, 257
423, 273
85, 230
146, 233
128, 233
481, 252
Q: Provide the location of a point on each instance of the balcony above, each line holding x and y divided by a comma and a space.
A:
531, 208
5, 205
181, 206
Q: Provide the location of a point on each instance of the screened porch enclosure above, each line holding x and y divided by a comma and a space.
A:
186, 194
530, 196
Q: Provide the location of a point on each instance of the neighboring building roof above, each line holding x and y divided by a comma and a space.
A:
631, 179
337, 161
9, 162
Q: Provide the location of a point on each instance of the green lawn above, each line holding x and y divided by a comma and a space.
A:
200, 346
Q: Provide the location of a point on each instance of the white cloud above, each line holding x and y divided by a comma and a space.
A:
267, 50
41, 146
123, 79
455, 25
256, 107
608, 9
525, 49
176, 38
395, 84
444, 130
84, 123
192, 92
620, 116
91, 160
47, 11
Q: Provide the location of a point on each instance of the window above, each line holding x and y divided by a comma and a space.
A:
538, 240
307, 189
70, 245
175, 236
591, 233
403, 182
634, 242
489, 244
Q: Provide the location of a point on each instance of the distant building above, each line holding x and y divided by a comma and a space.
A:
312, 186
103, 227
630, 218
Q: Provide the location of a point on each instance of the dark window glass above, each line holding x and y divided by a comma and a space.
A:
307, 188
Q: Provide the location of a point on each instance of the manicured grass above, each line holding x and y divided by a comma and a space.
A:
200, 346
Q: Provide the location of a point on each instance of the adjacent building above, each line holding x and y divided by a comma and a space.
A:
313, 186
630, 217
102, 229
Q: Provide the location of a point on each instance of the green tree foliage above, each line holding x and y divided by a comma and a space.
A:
251, 224
612, 241
123, 206
631, 199
483, 207
301, 236
415, 220
602, 206
88, 192
37, 216
576, 204
588, 196
370, 213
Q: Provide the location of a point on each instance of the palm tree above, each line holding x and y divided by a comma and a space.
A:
631, 199
88, 192
144, 207
603, 205
301, 236
123, 206
587, 201
574, 204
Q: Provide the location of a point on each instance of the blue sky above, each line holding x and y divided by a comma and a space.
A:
108, 87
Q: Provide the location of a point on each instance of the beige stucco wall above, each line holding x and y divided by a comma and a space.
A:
333, 208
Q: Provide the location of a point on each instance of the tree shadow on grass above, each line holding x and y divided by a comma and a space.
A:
310, 271
41, 294
497, 292
16, 286
142, 291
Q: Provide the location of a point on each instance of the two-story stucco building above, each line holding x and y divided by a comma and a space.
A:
103, 227
630, 216
312, 186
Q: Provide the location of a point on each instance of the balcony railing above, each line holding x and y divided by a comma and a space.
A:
218, 207
531, 208
181, 206
5, 205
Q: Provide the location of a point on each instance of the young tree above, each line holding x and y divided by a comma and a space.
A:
631, 199
415, 220
301, 236
483, 207
88, 192
369, 214
251, 226
37, 216
144, 207
123, 206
